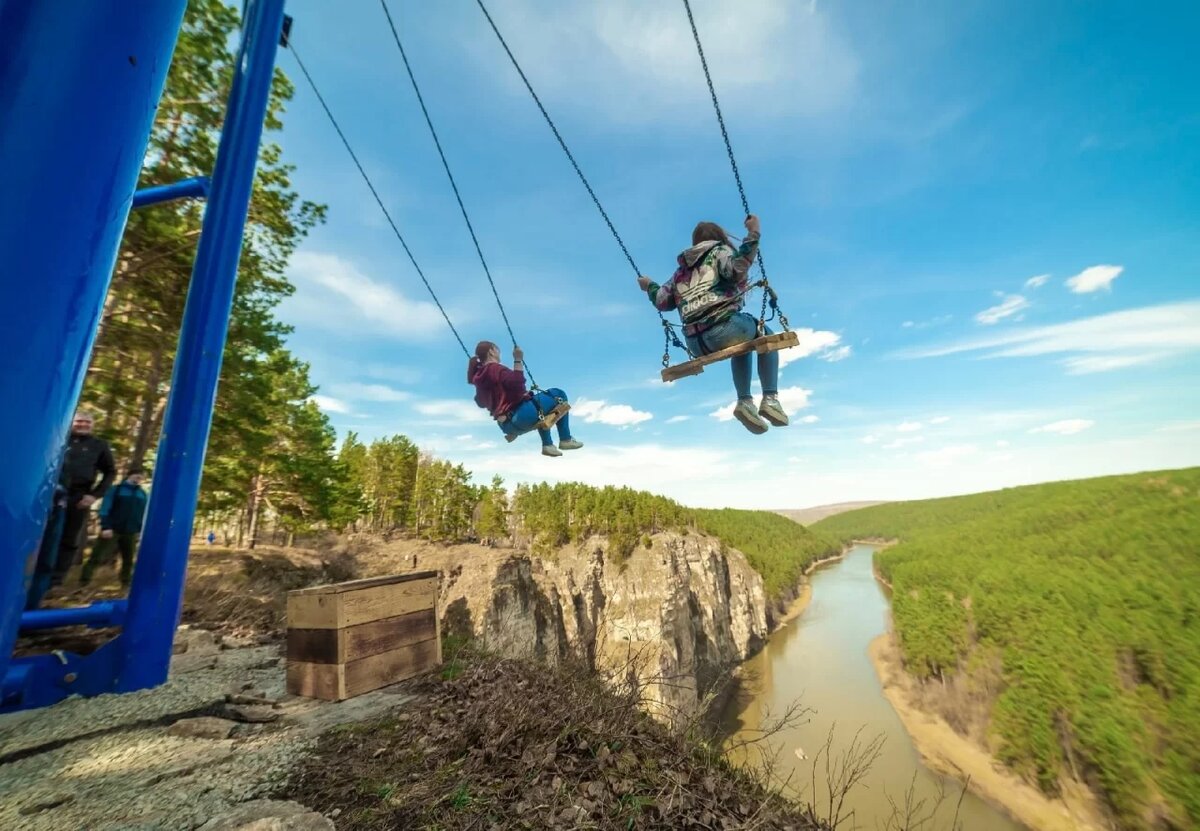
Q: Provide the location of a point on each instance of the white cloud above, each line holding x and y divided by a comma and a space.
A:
370, 392
939, 420
1066, 427
824, 344
453, 410
331, 405
792, 399
1094, 278
871, 439
1009, 306
678, 419
332, 294
925, 324
1093, 344
1001, 443
601, 412
903, 441
636, 61
1180, 427
908, 324
1037, 282
810, 419
909, 427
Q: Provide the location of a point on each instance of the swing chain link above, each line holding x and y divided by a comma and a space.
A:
712, 91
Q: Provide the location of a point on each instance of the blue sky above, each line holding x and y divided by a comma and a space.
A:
983, 218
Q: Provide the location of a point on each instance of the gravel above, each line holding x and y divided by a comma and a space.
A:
110, 762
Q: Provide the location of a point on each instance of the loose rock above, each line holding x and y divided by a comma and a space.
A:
205, 727
251, 713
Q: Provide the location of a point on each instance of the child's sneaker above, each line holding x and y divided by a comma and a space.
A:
570, 444
550, 450
772, 411
745, 413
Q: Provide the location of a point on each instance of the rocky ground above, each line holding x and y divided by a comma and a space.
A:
220, 732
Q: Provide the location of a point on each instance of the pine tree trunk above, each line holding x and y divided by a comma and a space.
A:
252, 510
141, 444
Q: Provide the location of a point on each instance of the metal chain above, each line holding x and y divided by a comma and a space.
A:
571, 158
378, 200
453, 185
712, 91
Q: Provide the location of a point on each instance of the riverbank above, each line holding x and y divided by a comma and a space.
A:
944, 750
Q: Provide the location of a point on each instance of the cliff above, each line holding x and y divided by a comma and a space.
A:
681, 612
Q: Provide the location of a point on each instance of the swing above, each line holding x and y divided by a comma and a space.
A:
548, 419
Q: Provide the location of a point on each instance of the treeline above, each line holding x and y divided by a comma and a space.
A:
778, 548
1086, 595
270, 446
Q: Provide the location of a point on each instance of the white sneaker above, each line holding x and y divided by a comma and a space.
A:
570, 444
772, 411
747, 414
550, 450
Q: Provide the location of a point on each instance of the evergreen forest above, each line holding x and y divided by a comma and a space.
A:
1074, 608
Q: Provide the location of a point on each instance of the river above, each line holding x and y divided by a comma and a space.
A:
821, 659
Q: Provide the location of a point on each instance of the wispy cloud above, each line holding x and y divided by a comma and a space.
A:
1012, 304
939, 420
824, 344
370, 392
623, 57
1037, 282
452, 410
903, 441
810, 419
330, 404
909, 427
678, 419
926, 324
334, 295
1095, 278
946, 456
1092, 344
601, 412
869, 439
1066, 427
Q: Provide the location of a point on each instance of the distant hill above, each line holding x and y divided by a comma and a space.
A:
1059, 625
807, 516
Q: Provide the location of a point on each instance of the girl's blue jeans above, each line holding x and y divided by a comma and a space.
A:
525, 416
739, 328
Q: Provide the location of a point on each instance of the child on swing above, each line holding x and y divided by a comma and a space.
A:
501, 391
708, 290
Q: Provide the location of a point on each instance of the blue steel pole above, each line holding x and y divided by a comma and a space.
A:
101, 613
79, 85
157, 592
192, 188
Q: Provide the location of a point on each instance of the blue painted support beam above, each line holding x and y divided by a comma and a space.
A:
98, 615
193, 188
79, 85
144, 648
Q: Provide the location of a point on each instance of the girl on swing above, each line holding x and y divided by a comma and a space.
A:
501, 391
708, 290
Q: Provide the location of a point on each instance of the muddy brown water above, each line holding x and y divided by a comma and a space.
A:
821, 660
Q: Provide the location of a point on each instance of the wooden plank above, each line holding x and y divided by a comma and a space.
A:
337, 646
387, 668
365, 583
388, 601
367, 602
768, 343
324, 681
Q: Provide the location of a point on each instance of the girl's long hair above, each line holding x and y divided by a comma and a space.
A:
710, 232
478, 359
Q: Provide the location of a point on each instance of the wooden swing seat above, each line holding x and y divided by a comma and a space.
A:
763, 345
548, 420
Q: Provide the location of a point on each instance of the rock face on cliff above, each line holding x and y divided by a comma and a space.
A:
682, 611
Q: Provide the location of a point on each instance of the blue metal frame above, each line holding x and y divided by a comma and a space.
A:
78, 93
193, 188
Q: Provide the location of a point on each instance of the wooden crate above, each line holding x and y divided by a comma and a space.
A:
350, 638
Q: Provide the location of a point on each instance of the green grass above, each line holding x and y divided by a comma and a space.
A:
1089, 593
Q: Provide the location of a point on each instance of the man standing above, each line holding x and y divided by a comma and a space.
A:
86, 458
121, 516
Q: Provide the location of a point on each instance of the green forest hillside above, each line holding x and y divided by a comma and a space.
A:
1073, 608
